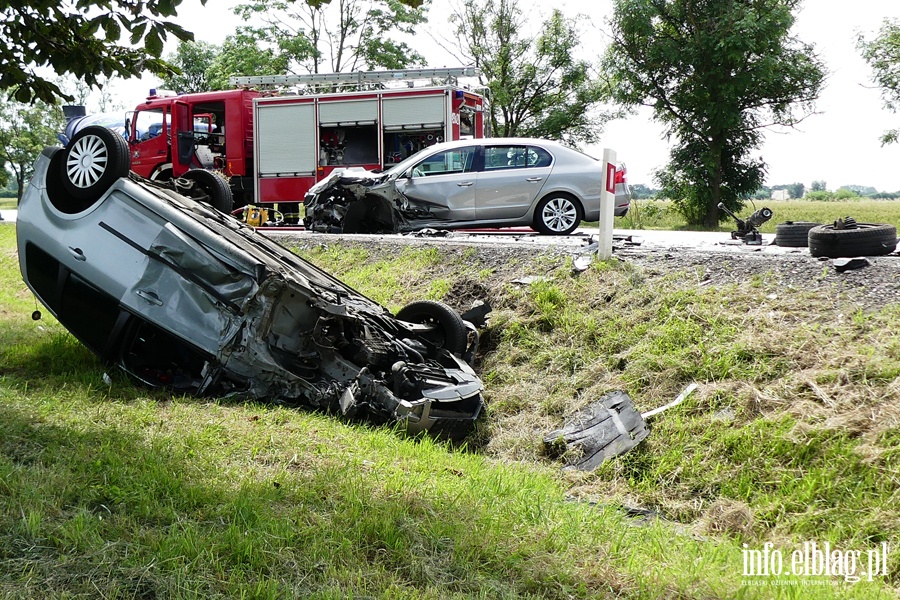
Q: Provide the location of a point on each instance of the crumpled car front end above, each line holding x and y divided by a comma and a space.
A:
316, 345
354, 200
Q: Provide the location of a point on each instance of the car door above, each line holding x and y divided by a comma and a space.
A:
512, 178
444, 182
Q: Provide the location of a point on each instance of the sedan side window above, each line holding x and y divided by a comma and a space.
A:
458, 160
515, 157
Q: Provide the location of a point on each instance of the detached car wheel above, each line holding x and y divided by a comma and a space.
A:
449, 330
793, 234
93, 160
557, 215
214, 187
864, 239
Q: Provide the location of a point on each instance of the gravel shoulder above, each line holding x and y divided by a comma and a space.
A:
870, 287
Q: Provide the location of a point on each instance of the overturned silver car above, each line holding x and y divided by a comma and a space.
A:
181, 296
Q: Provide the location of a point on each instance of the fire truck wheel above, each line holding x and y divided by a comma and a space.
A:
449, 330
93, 160
557, 214
793, 234
212, 188
866, 239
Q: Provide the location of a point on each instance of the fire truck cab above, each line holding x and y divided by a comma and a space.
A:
170, 134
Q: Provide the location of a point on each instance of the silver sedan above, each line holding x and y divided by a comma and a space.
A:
492, 182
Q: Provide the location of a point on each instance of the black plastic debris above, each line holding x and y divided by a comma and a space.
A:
848, 264
608, 427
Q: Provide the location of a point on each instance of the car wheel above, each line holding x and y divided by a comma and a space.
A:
94, 159
449, 330
557, 215
212, 188
793, 234
865, 239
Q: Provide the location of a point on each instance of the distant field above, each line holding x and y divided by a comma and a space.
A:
659, 214
7, 203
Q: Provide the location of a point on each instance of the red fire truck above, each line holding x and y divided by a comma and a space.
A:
273, 147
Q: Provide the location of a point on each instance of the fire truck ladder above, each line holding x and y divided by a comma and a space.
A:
448, 75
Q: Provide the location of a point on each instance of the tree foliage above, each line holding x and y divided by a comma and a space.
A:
25, 130
883, 56
335, 36
243, 54
82, 38
193, 60
204, 67
716, 74
536, 85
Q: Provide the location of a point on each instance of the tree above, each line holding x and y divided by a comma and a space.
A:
193, 60
639, 191
536, 86
25, 130
859, 190
243, 54
716, 74
81, 38
818, 186
318, 36
883, 55
796, 190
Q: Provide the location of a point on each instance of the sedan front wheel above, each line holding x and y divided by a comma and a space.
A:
557, 215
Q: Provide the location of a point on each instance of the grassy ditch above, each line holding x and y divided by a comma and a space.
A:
115, 491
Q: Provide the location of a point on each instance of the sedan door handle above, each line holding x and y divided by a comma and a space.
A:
465, 183
150, 297
77, 253
533, 179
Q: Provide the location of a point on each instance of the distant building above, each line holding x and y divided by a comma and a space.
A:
781, 195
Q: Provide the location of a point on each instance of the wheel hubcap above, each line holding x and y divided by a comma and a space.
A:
87, 161
559, 214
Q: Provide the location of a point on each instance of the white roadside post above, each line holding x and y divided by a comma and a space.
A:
607, 205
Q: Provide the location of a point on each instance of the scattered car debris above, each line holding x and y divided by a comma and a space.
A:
846, 238
793, 234
848, 264
606, 428
678, 400
528, 279
747, 229
184, 297
609, 427
581, 263
429, 232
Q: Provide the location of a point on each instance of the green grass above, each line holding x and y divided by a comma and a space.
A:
115, 491
658, 214
8, 203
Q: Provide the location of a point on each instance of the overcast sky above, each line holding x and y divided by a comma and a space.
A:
840, 145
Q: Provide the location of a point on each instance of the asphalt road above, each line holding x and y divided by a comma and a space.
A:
714, 241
